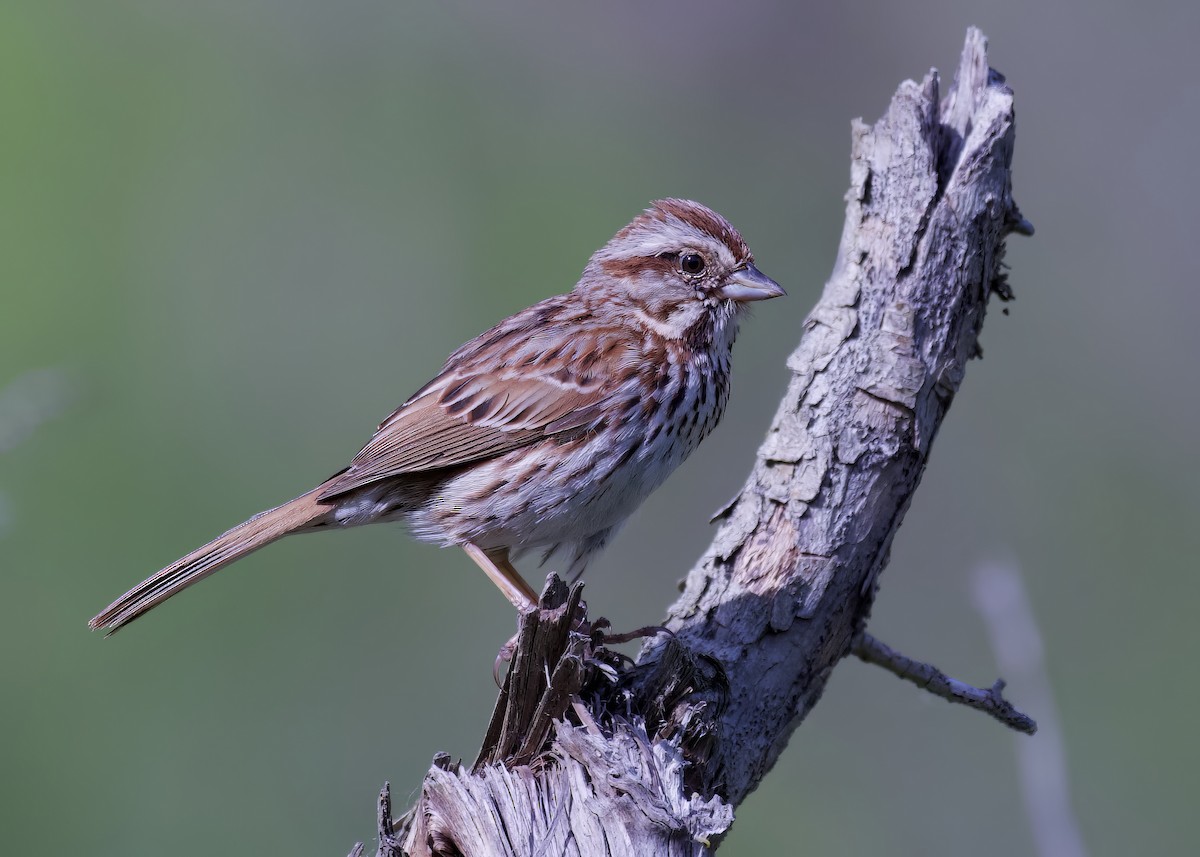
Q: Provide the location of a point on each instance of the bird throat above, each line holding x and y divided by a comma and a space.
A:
697, 323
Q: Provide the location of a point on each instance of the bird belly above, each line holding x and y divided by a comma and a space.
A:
556, 493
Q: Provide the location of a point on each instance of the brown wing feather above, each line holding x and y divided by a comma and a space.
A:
494, 395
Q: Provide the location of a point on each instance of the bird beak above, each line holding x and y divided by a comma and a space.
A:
749, 284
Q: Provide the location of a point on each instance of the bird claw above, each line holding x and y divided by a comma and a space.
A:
504, 656
644, 631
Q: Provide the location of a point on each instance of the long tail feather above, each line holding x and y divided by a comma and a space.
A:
300, 514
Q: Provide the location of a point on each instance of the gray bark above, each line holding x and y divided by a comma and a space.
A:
589, 755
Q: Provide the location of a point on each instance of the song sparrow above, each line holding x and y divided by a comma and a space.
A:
548, 430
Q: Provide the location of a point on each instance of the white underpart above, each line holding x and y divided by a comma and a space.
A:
604, 479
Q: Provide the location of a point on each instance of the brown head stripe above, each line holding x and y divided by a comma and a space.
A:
704, 219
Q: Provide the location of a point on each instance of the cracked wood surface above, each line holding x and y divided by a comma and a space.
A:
653, 758
792, 570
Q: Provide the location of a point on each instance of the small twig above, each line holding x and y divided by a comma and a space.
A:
1001, 599
26, 403
930, 678
389, 844
29, 401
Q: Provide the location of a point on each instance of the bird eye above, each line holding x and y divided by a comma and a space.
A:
691, 263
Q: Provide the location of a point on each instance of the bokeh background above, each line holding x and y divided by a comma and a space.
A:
237, 233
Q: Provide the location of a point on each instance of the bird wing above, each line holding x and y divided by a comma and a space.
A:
489, 399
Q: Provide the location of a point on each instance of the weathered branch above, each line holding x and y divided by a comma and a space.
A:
789, 579
587, 755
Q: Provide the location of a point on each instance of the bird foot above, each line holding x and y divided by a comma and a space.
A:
608, 639
597, 630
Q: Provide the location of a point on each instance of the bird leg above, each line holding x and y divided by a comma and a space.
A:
515, 588
500, 571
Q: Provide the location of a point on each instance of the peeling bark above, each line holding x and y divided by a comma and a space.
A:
882, 355
590, 755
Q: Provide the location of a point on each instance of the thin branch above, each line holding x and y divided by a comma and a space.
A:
29, 401
930, 678
1001, 599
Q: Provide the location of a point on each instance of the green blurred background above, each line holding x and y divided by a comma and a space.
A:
236, 234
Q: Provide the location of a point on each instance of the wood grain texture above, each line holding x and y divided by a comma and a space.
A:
652, 758
793, 568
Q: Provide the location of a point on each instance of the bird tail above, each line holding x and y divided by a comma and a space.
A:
303, 513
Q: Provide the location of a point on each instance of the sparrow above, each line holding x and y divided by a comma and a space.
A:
546, 432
